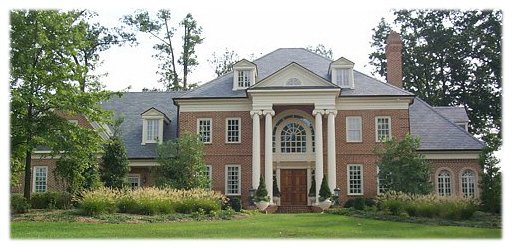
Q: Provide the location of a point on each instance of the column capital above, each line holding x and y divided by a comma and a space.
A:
318, 111
271, 112
331, 111
256, 112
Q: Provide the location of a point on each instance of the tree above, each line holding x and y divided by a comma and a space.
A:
44, 89
114, 162
450, 57
490, 182
160, 27
320, 49
98, 38
181, 163
224, 62
261, 193
325, 192
402, 168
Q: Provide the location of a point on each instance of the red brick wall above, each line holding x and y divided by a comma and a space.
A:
53, 183
456, 168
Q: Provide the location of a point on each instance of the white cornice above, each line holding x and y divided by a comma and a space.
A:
451, 155
212, 105
373, 103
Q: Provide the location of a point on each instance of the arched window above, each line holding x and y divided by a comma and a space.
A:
468, 183
299, 120
444, 185
293, 138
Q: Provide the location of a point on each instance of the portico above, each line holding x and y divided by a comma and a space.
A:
293, 139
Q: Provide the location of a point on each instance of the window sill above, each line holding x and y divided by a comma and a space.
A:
233, 142
355, 194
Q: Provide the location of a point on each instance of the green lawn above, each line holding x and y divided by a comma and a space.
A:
256, 226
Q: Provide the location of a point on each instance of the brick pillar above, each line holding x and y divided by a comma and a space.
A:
394, 59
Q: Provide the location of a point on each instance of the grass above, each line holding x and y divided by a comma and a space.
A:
253, 226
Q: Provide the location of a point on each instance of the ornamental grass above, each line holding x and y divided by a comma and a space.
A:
430, 206
151, 201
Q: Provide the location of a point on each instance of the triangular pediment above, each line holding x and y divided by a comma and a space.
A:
293, 76
154, 113
244, 63
342, 62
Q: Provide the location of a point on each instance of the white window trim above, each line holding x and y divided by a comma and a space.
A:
360, 129
450, 177
211, 128
377, 126
252, 77
145, 129
138, 179
348, 179
475, 179
34, 178
210, 183
334, 75
239, 130
226, 180
378, 181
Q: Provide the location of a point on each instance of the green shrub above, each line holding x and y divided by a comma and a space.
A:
325, 192
51, 200
359, 203
99, 201
261, 192
234, 202
430, 206
19, 204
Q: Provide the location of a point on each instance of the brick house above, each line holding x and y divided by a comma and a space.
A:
295, 115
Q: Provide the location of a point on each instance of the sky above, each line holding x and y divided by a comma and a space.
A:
247, 27
250, 33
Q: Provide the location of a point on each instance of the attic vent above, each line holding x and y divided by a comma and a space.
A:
293, 82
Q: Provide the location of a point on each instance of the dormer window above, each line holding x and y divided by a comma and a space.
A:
244, 78
244, 74
153, 121
342, 73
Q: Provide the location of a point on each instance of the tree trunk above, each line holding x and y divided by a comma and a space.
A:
28, 174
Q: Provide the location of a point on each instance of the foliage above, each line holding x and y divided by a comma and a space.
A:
224, 63
51, 200
99, 201
151, 201
233, 202
46, 87
360, 203
261, 193
490, 182
160, 28
19, 204
312, 189
431, 205
320, 49
325, 192
114, 161
450, 58
402, 168
181, 163
275, 188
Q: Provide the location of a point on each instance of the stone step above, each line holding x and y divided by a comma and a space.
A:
297, 209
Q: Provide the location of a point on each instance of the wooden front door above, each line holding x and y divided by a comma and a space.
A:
294, 187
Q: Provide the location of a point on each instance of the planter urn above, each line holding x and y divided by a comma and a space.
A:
262, 205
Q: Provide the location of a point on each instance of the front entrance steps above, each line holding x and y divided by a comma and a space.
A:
298, 209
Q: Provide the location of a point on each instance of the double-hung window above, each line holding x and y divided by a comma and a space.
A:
208, 173
354, 131
204, 129
444, 183
40, 178
355, 179
233, 180
244, 78
468, 183
152, 130
134, 181
382, 128
233, 130
343, 77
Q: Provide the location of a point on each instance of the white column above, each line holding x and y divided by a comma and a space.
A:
268, 151
256, 155
319, 159
331, 149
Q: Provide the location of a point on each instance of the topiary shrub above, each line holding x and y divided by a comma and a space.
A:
275, 188
312, 189
261, 192
325, 192
19, 204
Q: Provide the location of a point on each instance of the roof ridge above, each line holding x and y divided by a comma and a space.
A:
446, 119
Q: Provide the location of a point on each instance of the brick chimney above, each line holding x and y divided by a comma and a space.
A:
394, 59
